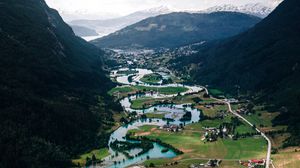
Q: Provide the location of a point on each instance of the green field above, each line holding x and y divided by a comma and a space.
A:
153, 78
148, 102
289, 157
144, 128
121, 90
215, 92
142, 103
99, 153
189, 141
244, 128
163, 90
263, 119
156, 115
187, 162
213, 111
124, 91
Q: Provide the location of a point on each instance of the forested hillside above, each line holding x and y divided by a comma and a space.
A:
263, 60
53, 90
176, 29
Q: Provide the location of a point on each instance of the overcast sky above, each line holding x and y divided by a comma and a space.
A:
123, 7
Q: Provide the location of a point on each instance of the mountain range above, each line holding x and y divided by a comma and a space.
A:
53, 90
256, 9
105, 27
263, 60
176, 29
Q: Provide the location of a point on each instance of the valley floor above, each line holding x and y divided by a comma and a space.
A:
248, 144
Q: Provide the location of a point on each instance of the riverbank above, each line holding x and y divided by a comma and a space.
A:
148, 106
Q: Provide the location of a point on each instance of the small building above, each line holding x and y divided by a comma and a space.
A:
253, 163
171, 128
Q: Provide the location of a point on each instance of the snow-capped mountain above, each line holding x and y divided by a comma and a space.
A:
157, 10
256, 9
107, 26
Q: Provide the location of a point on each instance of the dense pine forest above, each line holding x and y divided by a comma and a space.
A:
53, 90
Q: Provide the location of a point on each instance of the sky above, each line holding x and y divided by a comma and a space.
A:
115, 8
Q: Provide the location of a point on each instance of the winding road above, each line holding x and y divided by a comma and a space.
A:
249, 123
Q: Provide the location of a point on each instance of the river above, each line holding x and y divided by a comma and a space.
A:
117, 159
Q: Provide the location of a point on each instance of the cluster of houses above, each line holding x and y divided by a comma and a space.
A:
212, 133
171, 128
210, 163
242, 111
253, 163
140, 56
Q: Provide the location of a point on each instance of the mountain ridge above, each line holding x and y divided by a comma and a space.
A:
262, 60
53, 90
175, 29
107, 26
256, 9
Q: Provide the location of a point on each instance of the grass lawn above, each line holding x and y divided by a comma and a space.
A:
189, 141
263, 119
207, 123
151, 78
213, 111
187, 163
156, 115
124, 91
244, 128
215, 92
163, 90
287, 158
190, 99
99, 153
144, 128
148, 102
236, 106
142, 103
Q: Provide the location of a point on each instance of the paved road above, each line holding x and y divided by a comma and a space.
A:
244, 119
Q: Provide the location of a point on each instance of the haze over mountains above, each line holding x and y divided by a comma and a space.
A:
176, 29
83, 31
107, 26
264, 60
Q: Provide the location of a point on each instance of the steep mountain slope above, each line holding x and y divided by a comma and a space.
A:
177, 29
264, 59
82, 31
105, 27
53, 92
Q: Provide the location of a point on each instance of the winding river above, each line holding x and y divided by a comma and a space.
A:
117, 159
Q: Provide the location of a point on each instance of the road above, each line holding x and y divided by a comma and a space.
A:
244, 119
